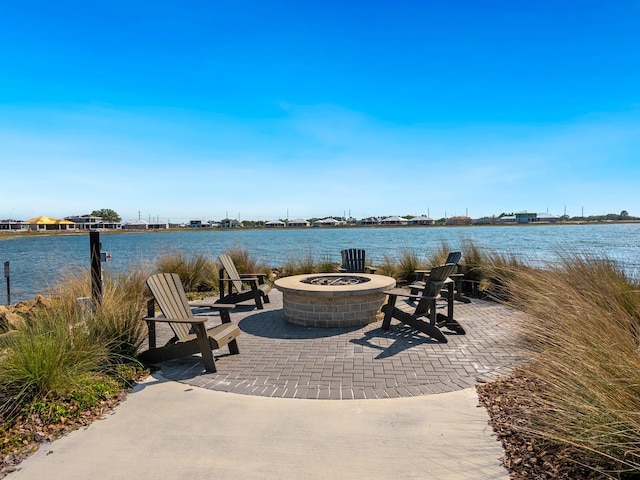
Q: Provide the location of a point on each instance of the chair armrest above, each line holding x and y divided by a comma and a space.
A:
191, 320
211, 304
247, 279
420, 274
402, 292
250, 276
371, 269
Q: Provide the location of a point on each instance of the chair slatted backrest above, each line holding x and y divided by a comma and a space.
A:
232, 272
434, 284
453, 257
353, 260
169, 293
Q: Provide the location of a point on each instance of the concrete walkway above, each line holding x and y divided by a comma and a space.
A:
300, 402
168, 430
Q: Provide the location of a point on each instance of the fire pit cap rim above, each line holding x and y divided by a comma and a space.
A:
294, 284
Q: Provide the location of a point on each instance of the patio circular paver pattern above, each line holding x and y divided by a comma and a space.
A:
280, 359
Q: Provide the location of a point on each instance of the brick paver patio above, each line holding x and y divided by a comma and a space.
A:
278, 359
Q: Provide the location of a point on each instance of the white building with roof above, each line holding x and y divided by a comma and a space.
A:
297, 223
275, 224
135, 225
394, 220
327, 222
422, 220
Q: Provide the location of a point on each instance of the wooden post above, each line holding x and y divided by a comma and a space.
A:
151, 312
7, 276
96, 267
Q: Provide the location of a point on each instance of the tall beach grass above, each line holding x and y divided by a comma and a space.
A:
582, 337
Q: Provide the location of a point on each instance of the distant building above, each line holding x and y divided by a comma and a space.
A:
421, 220
135, 225
369, 221
327, 222
230, 223
91, 222
13, 225
394, 220
488, 220
507, 219
297, 223
43, 223
196, 224
546, 218
461, 220
275, 224
157, 225
526, 217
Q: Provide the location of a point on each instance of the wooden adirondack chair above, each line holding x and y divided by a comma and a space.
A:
232, 284
457, 277
353, 261
191, 336
419, 310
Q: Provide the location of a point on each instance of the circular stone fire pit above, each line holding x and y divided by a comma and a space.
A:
333, 299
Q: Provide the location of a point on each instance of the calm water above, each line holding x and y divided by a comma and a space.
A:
37, 261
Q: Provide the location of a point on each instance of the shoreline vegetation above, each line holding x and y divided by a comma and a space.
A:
571, 411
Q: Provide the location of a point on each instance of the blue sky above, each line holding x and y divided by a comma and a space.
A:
203, 109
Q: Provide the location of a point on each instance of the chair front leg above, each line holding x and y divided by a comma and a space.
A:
388, 311
205, 347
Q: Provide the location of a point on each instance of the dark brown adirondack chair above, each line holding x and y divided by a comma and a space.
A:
457, 276
354, 261
191, 336
419, 310
232, 284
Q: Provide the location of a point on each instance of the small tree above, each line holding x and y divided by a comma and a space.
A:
107, 214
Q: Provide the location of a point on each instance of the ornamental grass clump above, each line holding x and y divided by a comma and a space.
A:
116, 321
582, 337
47, 359
438, 256
408, 263
246, 264
299, 265
70, 357
197, 272
388, 267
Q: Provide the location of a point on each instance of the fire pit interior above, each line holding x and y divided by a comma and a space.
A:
332, 280
333, 299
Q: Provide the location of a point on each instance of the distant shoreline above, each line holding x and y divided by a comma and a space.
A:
12, 234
